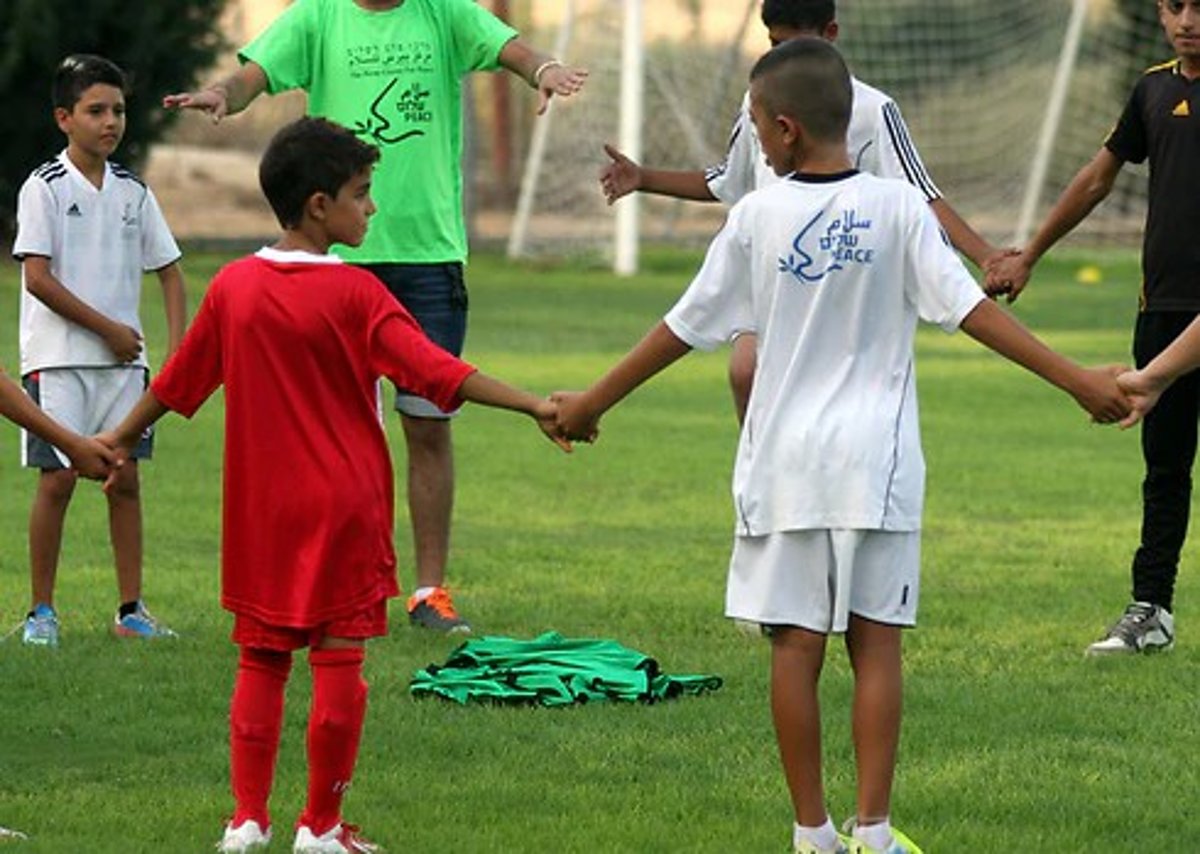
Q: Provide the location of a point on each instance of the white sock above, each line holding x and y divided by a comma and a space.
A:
423, 592
877, 836
824, 837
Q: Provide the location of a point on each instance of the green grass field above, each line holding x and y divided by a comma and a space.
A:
1012, 741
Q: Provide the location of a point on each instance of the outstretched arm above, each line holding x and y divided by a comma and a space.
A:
488, 391
225, 97
1093, 389
578, 414
88, 457
1144, 387
1009, 274
541, 71
622, 176
962, 236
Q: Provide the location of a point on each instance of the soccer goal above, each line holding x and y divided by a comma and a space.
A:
1005, 101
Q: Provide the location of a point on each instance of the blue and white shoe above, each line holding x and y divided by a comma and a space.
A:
41, 627
140, 624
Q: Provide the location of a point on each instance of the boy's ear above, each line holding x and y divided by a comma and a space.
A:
789, 128
316, 205
61, 116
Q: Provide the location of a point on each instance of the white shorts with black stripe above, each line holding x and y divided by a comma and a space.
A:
816, 579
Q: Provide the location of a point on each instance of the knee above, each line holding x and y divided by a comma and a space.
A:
126, 486
57, 486
427, 436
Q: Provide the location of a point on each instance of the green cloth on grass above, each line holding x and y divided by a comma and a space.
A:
551, 670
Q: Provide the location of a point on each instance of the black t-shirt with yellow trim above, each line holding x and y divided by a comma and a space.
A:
1162, 122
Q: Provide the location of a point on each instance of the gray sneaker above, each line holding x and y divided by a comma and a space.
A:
41, 627
436, 611
1142, 628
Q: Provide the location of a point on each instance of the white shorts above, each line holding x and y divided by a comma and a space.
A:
816, 579
85, 400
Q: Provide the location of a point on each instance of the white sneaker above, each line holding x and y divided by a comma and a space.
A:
343, 839
245, 837
1142, 628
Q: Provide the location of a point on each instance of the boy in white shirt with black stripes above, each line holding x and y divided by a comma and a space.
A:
831, 270
87, 228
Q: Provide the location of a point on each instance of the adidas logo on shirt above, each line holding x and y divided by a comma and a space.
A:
74, 210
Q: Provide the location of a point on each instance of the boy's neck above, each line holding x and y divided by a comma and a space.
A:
824, 160
89, 165
378, 5
1189, 68
301, 239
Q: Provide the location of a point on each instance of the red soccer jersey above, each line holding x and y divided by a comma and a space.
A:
299, 342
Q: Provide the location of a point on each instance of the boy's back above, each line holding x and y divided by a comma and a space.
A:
841, 267
299, 341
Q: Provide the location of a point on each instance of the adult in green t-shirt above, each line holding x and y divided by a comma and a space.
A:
391, 71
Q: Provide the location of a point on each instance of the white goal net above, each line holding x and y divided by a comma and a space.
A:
1005, 101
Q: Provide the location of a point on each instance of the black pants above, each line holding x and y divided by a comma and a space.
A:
1169, 449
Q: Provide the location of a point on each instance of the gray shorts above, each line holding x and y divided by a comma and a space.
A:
86, 400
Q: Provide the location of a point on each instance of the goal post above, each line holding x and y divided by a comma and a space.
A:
1005, 101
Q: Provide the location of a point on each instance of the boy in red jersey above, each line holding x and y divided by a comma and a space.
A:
299, 340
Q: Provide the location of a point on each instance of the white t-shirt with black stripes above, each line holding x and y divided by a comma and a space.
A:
99, 242
832, 272
877, 139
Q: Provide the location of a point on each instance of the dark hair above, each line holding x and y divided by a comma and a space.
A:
310, 155
811, 16
79, 72
807, 79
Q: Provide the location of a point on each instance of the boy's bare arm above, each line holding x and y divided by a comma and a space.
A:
1094, 389
1144, 387
1091, 184
145, 412
88, 457
488, 391
225, 97
174, 303
622, 176
580, 413
541, 71
962, 236
124, 341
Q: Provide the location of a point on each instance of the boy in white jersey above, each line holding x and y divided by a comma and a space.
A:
87, 228
878, 142
831, 269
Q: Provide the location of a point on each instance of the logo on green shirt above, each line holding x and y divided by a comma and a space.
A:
389, 110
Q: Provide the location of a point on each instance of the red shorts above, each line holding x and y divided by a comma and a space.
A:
370, 622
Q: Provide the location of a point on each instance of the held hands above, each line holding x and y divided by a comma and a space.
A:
546, 415
213, 101
93, 459
1007, 273
1097, 391
574, 420
554, 78
620, 177
1142, 392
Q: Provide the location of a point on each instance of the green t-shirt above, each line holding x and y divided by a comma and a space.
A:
394, 78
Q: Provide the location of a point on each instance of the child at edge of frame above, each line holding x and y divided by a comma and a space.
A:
831, 269
307, 557
87, 229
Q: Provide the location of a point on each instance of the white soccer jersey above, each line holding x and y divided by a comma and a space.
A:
832, 273
99, 242
877, 139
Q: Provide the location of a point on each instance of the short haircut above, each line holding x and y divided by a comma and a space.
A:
807, 79
78, 73
310, 155
811, 16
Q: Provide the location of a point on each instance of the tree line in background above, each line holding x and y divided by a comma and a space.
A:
162, 46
